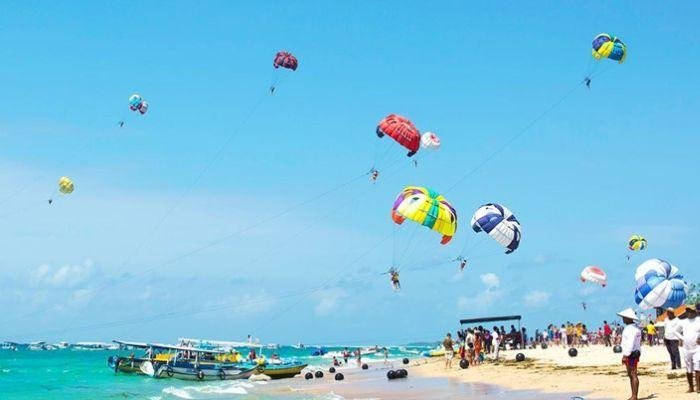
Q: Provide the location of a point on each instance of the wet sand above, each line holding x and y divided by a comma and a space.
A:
373, 384
597, 373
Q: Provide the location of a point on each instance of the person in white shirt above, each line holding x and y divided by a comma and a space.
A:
689, 330
631, 348
497, 337
671, 338
564, 337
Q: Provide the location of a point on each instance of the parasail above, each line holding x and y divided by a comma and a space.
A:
286, 60
402, 130
637, 242
595, 275
426, 207
499, 223
65, 185
137, 103
609, 46
659, 285
429, 140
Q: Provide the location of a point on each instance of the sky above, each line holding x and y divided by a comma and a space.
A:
225, 211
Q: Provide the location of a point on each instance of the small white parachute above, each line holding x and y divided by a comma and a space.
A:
429, 140
595, 275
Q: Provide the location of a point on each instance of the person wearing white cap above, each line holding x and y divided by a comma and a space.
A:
671, 337
631, 348
690, 330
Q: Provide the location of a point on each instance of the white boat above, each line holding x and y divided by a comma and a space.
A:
95, 346
272, 346
62, 345
9, 346
196, 364
299, 346
37, 346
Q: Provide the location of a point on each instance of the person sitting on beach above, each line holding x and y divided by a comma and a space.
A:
448, 345
631, 348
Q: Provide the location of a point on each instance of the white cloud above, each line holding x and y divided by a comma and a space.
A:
484, 299
328, 300
491, 281
66, 276
536, 298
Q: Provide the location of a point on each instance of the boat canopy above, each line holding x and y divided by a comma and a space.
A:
472, 321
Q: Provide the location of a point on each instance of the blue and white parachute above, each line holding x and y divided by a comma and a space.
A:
499, 223
659, 285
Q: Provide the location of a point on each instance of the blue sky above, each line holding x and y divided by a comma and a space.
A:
124, 256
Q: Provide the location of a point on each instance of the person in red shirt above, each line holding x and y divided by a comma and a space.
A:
607, 333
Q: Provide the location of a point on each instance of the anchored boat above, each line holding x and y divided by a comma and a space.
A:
194, 364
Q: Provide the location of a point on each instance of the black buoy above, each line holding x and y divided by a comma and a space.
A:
318, 374
308, 376
331, 370
405, 361
391, 374
365, 366
617, 349
544, 346
339, 377
520, 357
402, 373
464, 364
573, 352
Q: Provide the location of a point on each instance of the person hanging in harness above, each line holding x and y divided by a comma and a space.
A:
587, 81
394, 276
374, 174
272, 90
462, 263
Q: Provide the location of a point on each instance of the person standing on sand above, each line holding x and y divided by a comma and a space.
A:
607, 334
497, 337
631, 348
671, 338
448, 345
651, 332
690, 334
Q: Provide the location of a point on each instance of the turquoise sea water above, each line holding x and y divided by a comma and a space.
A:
80, 374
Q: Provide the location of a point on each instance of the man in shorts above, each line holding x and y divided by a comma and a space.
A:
689, 331
631, 348
448, 345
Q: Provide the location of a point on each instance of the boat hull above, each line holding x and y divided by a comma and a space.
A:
281, 371
192, 372
127, 365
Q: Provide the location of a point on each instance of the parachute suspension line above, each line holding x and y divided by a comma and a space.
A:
515, 137
325, 283
402, 255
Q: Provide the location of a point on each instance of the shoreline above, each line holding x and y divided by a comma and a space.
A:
596, 374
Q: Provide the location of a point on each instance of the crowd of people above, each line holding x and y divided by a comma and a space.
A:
679, 333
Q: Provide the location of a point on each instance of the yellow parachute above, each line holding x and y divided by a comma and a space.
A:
65, 185
427, 208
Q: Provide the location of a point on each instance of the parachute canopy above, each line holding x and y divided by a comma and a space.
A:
285, 59
428, 208
402, 130
137, 103
65, 185
659, 285
609, 46
595, 275
637, 242
429, 140
499, 223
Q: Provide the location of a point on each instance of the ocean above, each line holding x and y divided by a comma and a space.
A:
83, 374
